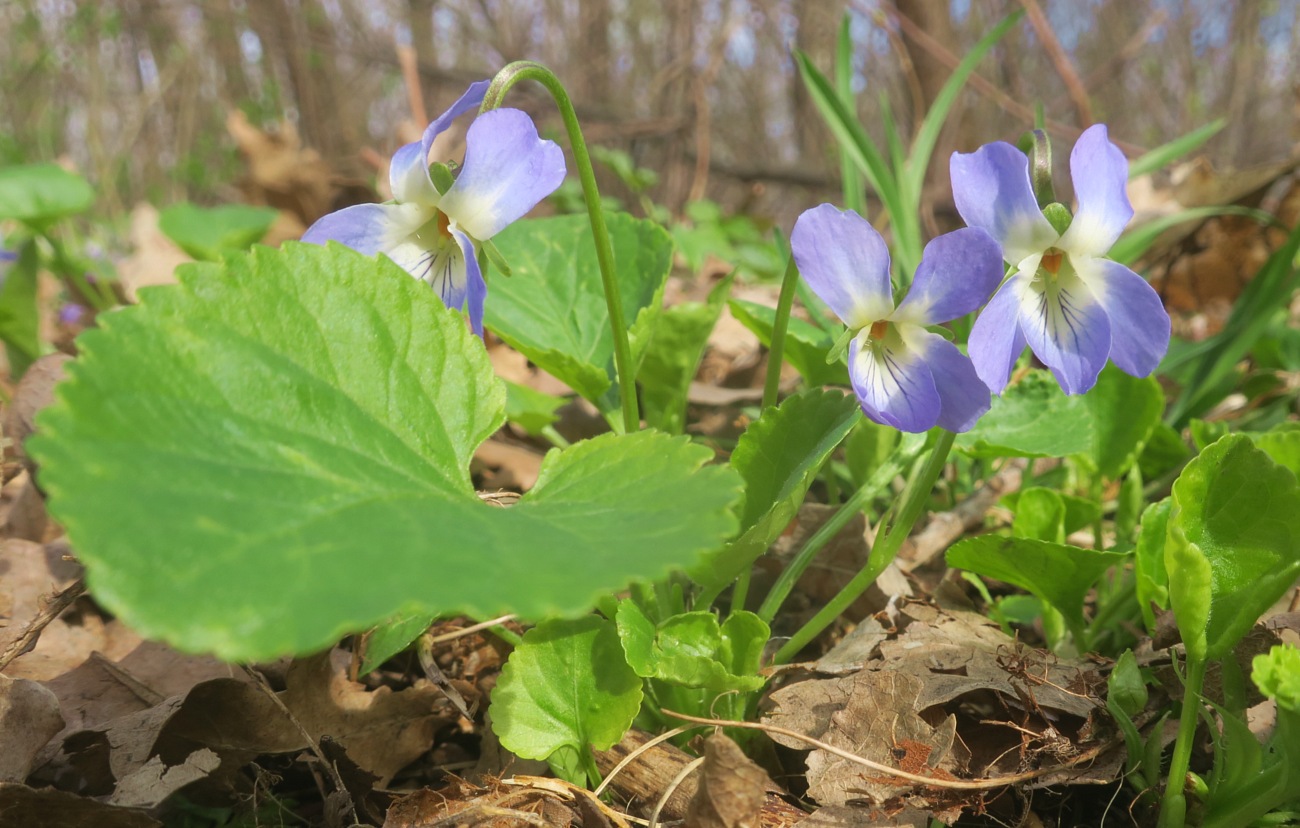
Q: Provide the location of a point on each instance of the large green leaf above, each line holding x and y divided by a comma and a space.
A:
208, 232
567, 685
552, 308
40, 193
1058, 574
276, 452
778, 456
1125, 410
1032, 418
1240, 512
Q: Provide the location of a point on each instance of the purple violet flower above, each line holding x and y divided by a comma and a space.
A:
904, 376
1072, 307
507, 170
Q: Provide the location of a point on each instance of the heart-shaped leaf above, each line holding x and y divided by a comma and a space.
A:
566, 685
1032, 418
552, 308
1240, 512
276, 452
40, 193
208, 232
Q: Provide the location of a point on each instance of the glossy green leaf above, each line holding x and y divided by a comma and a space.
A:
1059, 575
806, 345
1032, 418
680, 337
19, 315
1125, 410
1239, 512
567, 685
552, 309
206, 233
41, 193
778, 457
276, 452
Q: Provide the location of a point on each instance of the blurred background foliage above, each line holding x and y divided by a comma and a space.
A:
148, 98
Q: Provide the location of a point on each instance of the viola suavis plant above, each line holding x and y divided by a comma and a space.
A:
275, 452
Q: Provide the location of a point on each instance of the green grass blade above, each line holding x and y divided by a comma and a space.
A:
855, 196
928, 135
1264, 296
1136, 241
1177, 148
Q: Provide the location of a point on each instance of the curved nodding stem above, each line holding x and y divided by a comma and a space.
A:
530, 70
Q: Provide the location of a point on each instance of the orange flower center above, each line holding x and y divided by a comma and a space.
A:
878, 330
1051, 261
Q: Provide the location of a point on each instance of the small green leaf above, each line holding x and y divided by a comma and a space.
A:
1040, 514
566, 685
1239, 512
869, 447
553, 309
206, 233
806, 345
1125, 410
1152, 580
693, 650
1059, 575
530, 409
1125, 686
1277, 675
680, 337
1032, 418
41, 193
276, 452
778, 457
389, 639
1080, 512
19, 315
1163, 452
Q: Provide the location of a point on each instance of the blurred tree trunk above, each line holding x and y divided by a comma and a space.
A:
221, 22
419, 16
1243, 80
934, 17
594, 20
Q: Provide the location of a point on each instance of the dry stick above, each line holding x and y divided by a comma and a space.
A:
410, 64
984, 87
53, 608
482, 625
568, 790
673, 786
1060, 60
1101, 74
627, 760
952, 784
333, 772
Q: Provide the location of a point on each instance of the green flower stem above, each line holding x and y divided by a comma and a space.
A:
883, 552
858, 502
776, 351
98, 294
1173, 808
530, 70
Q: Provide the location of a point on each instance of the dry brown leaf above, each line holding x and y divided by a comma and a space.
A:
29, 718
35, 391
32, 573
50, 808
154, 257
844, 816
154, 781
732, 788
873, 715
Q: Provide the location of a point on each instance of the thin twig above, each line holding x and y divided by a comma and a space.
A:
483, 625
1060, 60
953, 784
53, 608
673, 786
335, 779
